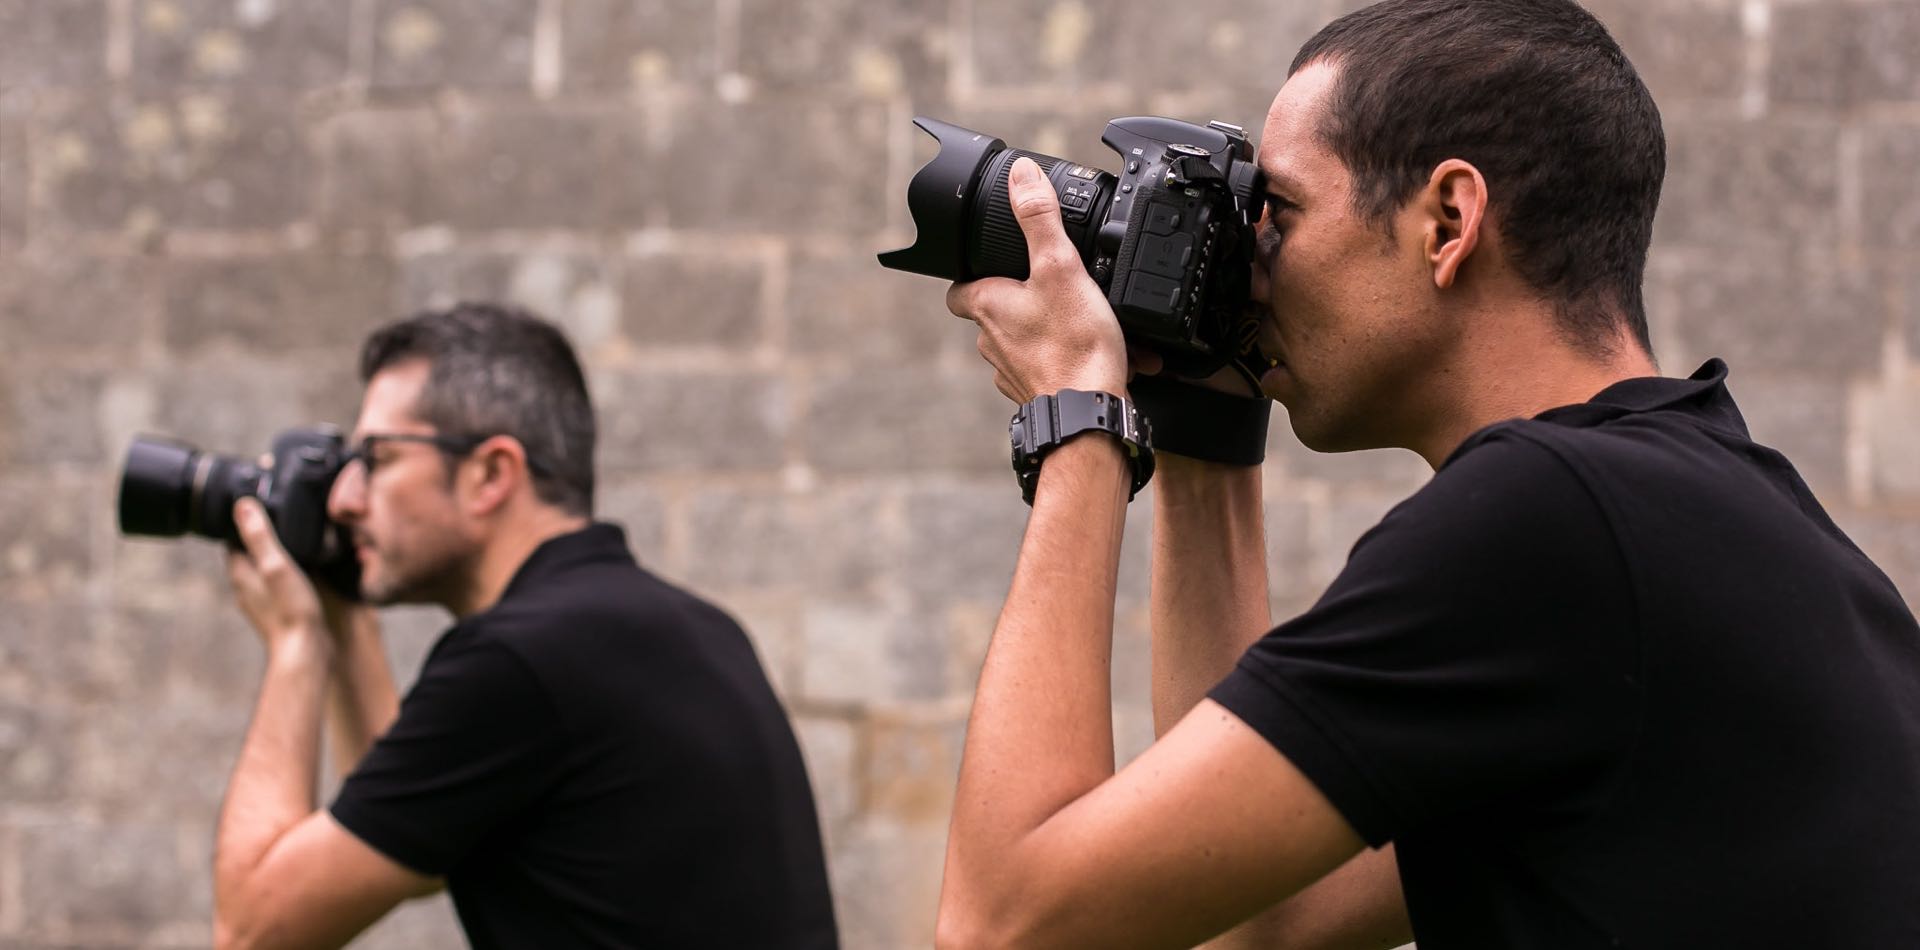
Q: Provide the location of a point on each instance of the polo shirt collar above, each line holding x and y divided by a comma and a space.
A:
599, 542
1648, 393
1703, 394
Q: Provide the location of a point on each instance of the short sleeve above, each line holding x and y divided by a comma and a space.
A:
474, 744
1478, 653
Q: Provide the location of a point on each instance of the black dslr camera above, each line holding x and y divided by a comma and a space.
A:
1170, 239
169, 488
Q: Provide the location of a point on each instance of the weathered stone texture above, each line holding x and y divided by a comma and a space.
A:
681, 421
46, 534
46, 658
254, 45
871, 654
14, 178
1289, 529
235, 407
575, 289
636, 506
1806, 419
485, 45
795, 163
1383, 466
1818, 315
1208, 46
275, 303
62, 300
617, 46
901, 420
36, 753
1061, 47
120, 768
961, 541
844, 308
1844, 54
1890, 191
1693, 50
95, 880
831, 747
1892, 419
1910, 305
51, 416
1732, 184
198, 160
1891, 540
204, 204
52, 43
885, 48
755, 541
696, 297
516, 169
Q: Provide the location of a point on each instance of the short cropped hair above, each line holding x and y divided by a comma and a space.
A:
1536, 95
500, 370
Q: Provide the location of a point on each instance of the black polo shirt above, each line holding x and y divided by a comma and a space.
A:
598, 761
1613, 678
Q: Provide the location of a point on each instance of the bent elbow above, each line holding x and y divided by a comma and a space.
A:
956, 929
227, 935
971, 925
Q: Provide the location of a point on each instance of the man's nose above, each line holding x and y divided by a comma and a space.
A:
347, 499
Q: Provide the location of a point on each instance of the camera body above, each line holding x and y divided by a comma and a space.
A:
169, 488
1169, 239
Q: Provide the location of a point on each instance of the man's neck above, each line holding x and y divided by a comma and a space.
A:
500, 559
1519, 370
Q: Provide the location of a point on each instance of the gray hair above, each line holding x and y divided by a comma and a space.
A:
497, 369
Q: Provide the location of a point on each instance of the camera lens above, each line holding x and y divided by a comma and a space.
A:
998, 248
967, 229
170, 488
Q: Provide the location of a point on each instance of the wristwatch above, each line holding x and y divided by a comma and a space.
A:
1045, 422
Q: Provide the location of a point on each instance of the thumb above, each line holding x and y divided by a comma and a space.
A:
256, 531
1037, 209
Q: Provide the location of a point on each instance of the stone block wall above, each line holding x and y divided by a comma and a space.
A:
204, 204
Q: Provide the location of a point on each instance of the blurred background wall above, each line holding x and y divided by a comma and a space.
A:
204, 204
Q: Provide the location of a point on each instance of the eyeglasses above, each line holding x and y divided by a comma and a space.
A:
455, 446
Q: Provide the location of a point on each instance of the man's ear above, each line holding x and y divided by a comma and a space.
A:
493, 472
1454, 208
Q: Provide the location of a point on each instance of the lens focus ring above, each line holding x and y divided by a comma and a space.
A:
1000, 248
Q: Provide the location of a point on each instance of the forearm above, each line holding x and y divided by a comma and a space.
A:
362, 702
273, 783
1041, 733
1209, 582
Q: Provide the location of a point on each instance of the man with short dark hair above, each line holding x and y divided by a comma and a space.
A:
590, 757
1611, 678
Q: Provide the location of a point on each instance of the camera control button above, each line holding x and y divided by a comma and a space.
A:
1167, 255
1163, 219
1153, 294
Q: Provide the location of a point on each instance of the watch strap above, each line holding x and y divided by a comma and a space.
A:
1045, 422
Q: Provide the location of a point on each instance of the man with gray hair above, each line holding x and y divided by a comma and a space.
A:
590, 757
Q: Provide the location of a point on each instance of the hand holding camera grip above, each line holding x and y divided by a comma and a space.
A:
1202, 423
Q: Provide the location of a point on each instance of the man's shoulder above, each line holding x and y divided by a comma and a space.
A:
593, 608
1510, 472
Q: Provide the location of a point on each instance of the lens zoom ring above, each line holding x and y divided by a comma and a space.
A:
1000, 249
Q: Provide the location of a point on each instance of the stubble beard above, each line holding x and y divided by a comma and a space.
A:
425, 577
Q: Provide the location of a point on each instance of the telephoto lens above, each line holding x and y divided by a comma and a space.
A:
967, 227
169, 488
